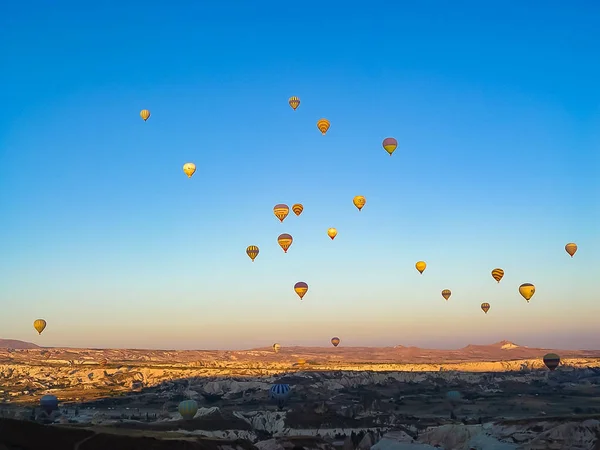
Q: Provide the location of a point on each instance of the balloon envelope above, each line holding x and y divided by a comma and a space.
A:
497, 274
552, 360
485, 307
189, 169
281, 211
527, 290
359, 201
446, 293
332, 233
276, 347
144, 114
285, 240
298, 208
294, 102
39, 325
323, 126
421, 266
335, 341
571, 248
390, 144
49, 403
252, 251
188, 409
301, 289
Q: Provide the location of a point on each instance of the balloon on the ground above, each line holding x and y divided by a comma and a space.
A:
39, 325
281, 211
527, 290
252, 251
497, 274
188, 409
285, 240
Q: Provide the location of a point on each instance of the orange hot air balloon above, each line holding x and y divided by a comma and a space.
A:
446, 293
359, 201
332, 233
390, 144
252, 251
301, 288
294, 102
527, 290
298, 208
485, 307
571, 248
145, 114
335, 341
39, 325
285, 240
323, 126
281, 211
421, 266
497, 274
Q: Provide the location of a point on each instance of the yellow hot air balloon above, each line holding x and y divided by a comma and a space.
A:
390, 144
359, 201
446, 293
323, 126
421, 266
485, 307
497, 274
281, 211
276, 347
301, 288
571, 248
252, 251
285, 240
294, 102
297, 208
335, 341
332, 233
189, 169
144, 114
39, 325
527, 290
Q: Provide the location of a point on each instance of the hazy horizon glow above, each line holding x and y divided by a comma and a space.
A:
497, 117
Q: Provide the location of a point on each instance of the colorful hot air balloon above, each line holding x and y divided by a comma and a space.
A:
276, 347
39, 325
527, 290
421, 266
332, 233
297, 208
335, 341
359, 201
280, 393
188, 409
252, 251
485, 307
497, 274
571, 248
552, 360
285, 240
294, 102
323, 126
189, 169
301, 288
281, 211
390, 145
446, 293
144, 114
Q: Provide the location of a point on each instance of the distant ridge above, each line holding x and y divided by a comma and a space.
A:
13, 343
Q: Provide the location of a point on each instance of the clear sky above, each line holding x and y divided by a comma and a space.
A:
495, 105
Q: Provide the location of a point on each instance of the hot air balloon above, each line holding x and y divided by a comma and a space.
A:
281, 211
188, 409
294, 102
527, 290
104, 362
359, 201
252, 251
276, 347
552, 360
298, 208
332, 233
189, 169
485, 307
323, 126
421, 266
335, 341
390, 145
571, 248
446, 293
39, 325
280, 393
144, 114
49, 403
285, 240
301, 288
497, 274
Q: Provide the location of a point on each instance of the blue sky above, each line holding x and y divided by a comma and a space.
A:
496, 109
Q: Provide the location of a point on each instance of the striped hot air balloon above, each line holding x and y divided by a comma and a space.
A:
252, 251
335, 341
145, 114
552, 360
446, 293
485, 307
294, 102
188, 409
285, 240
276, 347
281, 211
297, 208
497, 274
527, 290
390, 144
280, 393
301, 289
323, 126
